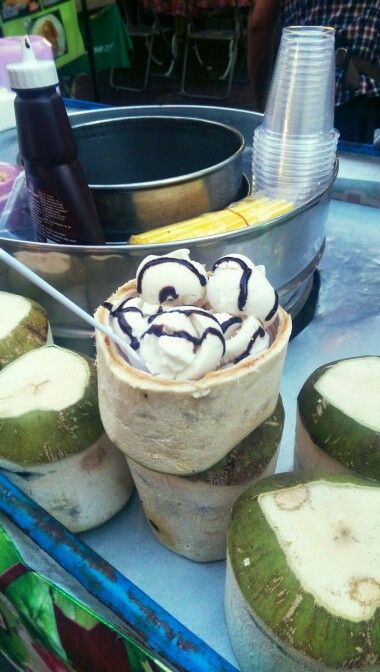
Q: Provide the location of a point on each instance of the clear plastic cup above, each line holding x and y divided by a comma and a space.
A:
287, 175
294, 149
282, 169
285, 178
297, 158
263, 133
295, 168
307, 34
271, 166
289, 193
301, 96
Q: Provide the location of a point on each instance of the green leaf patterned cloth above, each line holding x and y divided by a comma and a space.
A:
44, 629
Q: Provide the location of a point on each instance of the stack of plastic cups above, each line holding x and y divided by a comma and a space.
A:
294, 149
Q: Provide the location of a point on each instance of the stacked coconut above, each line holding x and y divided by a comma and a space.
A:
303, 567
193, 446
52, 442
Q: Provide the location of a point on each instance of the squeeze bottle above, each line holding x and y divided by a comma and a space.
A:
60, 200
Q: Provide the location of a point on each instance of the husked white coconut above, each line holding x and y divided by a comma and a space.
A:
52, 442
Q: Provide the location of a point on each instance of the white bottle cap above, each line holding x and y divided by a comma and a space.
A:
30, 73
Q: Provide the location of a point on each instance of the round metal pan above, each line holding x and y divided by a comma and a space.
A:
146, 172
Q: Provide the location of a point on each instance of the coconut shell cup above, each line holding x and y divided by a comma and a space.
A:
189, 515
185, 427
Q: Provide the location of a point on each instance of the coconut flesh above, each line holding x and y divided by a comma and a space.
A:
338, 424
23, 327
190, 515
52, 443
303, 575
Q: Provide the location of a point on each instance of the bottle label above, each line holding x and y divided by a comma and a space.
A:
51, 219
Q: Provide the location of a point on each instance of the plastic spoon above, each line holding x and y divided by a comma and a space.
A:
134, 359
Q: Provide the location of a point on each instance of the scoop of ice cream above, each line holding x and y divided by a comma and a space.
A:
130, 318
239, 287
183, 344
173, 279
244, 337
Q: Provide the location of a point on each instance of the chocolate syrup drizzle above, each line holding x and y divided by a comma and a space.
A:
247, 272
152, 317
193, 311
164, 260
230, 322
119, 314
274, 309
167, 293
158, 331
259, 332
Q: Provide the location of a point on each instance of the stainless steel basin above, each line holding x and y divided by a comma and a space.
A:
150, 171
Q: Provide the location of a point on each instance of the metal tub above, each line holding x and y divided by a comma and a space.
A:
146, 172
290, 246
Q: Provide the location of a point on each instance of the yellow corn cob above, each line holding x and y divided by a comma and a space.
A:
247, 212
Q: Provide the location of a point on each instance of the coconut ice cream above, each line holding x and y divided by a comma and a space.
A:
239, 287
52, 442
201, 364
172, 279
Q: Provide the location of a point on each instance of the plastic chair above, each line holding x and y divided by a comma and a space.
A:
146, 26
229, 35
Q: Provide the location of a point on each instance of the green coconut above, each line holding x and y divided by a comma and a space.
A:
338, 425
303, 575
48, 407
24, 326
250, 457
